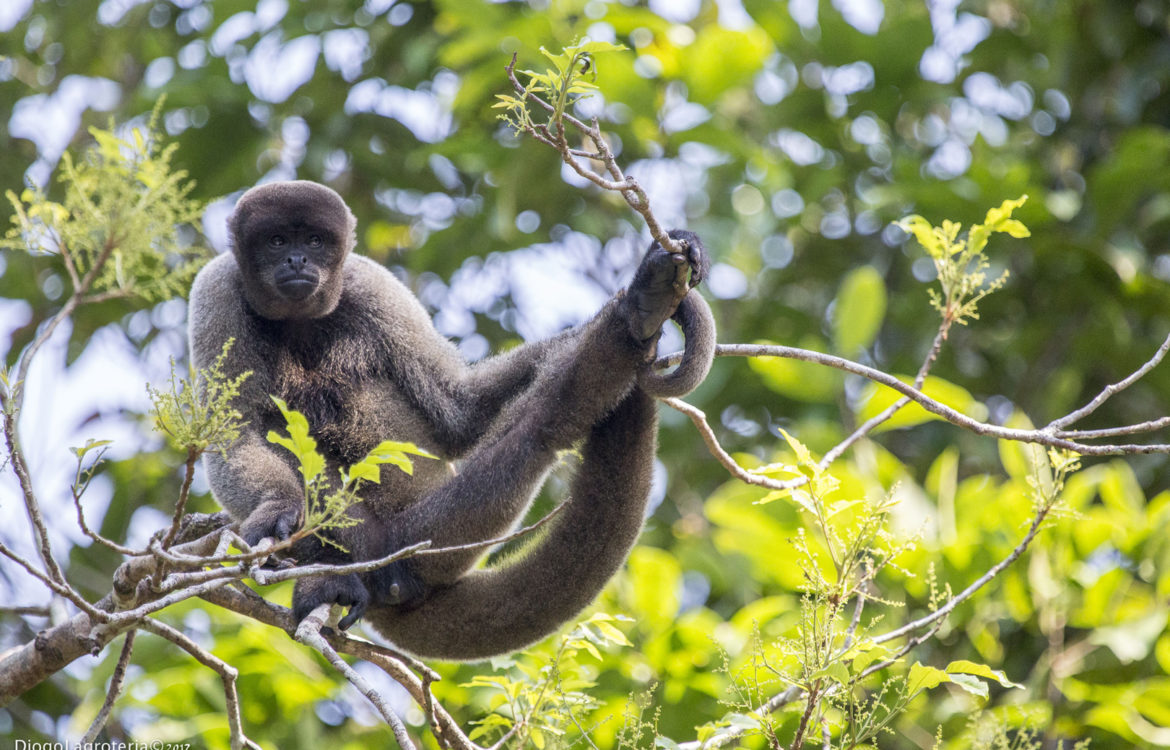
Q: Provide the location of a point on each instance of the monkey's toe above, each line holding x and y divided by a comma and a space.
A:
347, 591
662, 281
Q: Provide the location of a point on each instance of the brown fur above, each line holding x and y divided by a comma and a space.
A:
360, 357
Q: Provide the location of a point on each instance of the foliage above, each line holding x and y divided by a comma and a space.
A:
197, 414
961, 264
540, 695
573, 80
119, 226
327, 503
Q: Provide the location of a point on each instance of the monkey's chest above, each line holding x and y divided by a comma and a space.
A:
350, 403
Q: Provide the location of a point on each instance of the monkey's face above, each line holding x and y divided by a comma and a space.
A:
291, 240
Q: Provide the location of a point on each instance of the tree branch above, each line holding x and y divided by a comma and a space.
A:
113, 691
227, 675
309, 633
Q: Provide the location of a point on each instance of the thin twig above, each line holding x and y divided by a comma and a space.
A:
227, 675
1132, 429
61, 589
184, 491
629, 188
245, 601
1110, 390
699, 419
113, 692
85, 529
309, 633
11, 402
30, 611
1040, 437
955, 601
870, 424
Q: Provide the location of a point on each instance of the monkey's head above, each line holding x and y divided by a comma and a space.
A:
290, 240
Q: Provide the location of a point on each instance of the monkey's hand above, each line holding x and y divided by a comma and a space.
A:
661, 282
346, 590
271, 519
395, 585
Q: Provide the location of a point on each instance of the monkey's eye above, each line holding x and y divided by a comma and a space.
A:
276, 240
315, 240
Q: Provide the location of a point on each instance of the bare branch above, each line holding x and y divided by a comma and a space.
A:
184, 491
227, 674
59, 588
1133, 429
1110, 390
85, 529
31, 611
699, 419
309, 633
10, 403
114, 690
1039, 437
965, 594
870, 424
245, 601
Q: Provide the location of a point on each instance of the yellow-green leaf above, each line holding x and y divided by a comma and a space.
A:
922, 677
860, 310
981, 670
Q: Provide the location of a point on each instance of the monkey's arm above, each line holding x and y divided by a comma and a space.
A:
459, 400
254, 482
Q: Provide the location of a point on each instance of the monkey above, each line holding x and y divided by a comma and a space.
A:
343, 341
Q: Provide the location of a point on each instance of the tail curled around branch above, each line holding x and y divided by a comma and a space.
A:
698, 326
523, 599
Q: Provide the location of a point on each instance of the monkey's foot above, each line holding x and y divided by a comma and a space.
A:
346, 590
271, 520
662, 280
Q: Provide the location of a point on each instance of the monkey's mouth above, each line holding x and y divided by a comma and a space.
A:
296, 288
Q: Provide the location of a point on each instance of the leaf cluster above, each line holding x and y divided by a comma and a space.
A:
120, 225
327, 503
535, 696
196, 414
572, 78
961, 264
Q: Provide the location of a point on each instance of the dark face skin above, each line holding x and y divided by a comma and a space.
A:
291, 239
296, 273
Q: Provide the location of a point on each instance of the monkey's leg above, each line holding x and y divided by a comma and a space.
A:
506, 607
493, 490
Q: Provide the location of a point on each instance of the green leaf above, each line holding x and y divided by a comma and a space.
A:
299, 442
970, 684
612, 634
90, 444
392, 446
924, 678
860, 310
923, 231
962, 666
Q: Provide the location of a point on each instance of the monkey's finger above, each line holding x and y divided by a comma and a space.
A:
355, 613
284, 527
